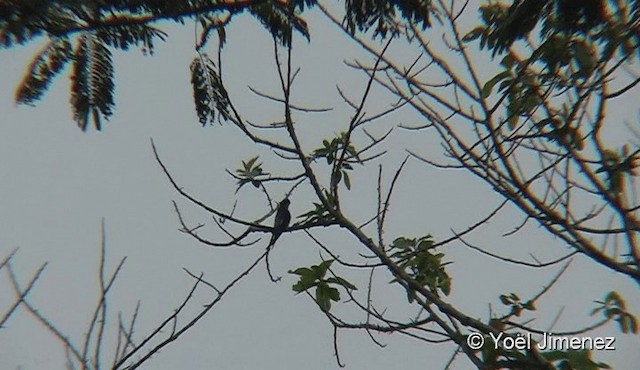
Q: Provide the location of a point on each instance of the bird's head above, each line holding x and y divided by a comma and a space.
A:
285, 202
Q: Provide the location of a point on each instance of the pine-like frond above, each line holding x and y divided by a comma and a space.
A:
125, 35
209, 94
23, 20
279, 20
210, 23
44, 67
19, 22
91, 82
362, 15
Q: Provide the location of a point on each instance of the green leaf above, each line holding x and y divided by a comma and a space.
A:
584, 57
347, 181
337, 176
303, 284
250, 163
474, 34
488, 87
530, 306
614, 297
307, 279
403, 243
323, 296
302, 271
425, 243
341, 281
508, 61
627, 323
333, 294
321, 270
445, 285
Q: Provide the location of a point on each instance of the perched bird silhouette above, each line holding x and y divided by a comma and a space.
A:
281, 221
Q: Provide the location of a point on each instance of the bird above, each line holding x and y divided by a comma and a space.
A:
281, 222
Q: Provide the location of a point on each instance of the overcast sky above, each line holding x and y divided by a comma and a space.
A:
57, 184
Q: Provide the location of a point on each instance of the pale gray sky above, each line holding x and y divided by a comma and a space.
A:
57, 183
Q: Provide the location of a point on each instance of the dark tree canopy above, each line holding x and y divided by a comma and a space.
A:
85, 34
83, 31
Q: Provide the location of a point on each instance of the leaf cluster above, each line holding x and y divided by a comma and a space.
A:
209, 94
517, 306
614, 307
251, 172
319, 214
96, 27
325, 288
416, 258
504, 24
362, 15
332, 151
556, 129
88, 52
617, 166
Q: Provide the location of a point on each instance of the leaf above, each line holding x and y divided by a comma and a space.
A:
425, 243
209, 94
474, 34
347, 181
21, 21
44, 67
403, 243
632, 324
91, 82
336, 177
302, 271
247, 165
303, 284
341, 281
279, 20
488, 87
445, 285
321, 270
584, 57
381, 15
323, 296
122, 36
333, 294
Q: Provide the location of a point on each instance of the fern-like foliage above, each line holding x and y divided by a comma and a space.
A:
45, 65
91, 82
124, 36
20, 21
279, 20
86, 32
362, 15
209, 95
23, 20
